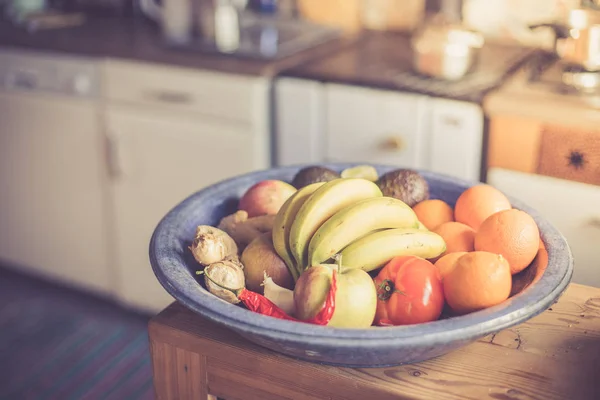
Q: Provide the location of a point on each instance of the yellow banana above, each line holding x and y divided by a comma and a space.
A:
375, 250
321, 205
357, 220
283, 223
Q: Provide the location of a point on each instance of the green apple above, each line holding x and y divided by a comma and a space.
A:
355, 297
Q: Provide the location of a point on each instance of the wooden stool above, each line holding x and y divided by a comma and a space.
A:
555, 355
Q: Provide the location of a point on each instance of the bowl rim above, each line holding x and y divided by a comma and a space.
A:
533, 300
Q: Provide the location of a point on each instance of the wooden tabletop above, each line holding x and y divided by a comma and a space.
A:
555, 355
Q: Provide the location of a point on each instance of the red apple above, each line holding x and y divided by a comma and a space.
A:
265, 197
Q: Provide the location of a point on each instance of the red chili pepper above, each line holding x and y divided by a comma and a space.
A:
260, 304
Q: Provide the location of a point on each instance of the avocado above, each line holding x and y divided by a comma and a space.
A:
404, 184
313, 174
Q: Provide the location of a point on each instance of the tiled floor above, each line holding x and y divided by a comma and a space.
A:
60, 344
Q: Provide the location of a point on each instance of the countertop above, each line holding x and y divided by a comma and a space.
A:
383, 60
555, 355
140, 40
371, 59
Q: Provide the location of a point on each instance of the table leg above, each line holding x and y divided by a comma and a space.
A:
178, 374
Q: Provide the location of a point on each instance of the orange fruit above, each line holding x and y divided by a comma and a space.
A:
512, 233
447, 262
479, 280
433, 212
477, 203
458, 237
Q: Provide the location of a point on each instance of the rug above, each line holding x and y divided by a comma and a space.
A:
59, 344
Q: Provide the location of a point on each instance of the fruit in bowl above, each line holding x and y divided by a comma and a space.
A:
357, 274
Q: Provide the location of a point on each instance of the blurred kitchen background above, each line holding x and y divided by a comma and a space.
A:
112, 111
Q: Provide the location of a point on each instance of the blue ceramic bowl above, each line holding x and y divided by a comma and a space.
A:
374, 347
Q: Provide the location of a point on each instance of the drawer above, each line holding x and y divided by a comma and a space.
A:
528, 145
374, 126
570, 153
235, 97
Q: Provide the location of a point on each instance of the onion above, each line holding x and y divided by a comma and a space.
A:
281, 297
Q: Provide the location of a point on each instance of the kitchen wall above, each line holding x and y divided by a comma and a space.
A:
508, 20
498, 20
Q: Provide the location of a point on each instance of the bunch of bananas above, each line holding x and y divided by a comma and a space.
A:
352, 218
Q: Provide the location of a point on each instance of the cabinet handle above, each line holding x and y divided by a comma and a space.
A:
171, 97
393, 143
452, 121
114, 155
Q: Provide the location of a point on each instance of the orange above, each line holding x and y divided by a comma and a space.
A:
477, 203
458, 237
512, 233
478, 280
433, 212
447, 262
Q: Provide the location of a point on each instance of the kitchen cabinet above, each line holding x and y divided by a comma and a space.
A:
53, 202
455, 138
299, 122
552, 166
331, 122
170, 133
572, 207
374, 126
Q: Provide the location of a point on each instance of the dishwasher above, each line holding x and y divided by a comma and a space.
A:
53, 201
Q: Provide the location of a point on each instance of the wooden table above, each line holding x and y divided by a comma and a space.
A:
555, 355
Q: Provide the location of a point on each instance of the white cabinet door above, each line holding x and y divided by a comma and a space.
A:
53, 196
299, 119
374, 126
158, 159
456, 136
572, 207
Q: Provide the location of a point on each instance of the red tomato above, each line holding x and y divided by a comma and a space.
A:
409, 291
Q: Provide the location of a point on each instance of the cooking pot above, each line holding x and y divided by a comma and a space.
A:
445, 50
577, 38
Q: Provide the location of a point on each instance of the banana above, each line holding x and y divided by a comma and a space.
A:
422, 227
283, 223
375, 250
356, 221
322, 204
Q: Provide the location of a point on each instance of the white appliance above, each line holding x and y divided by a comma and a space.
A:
324, 122
52, 204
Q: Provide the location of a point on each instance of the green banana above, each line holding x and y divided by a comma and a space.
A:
357, 220
321, 205
377, 249
283, 223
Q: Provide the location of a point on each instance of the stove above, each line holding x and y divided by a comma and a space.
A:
546, 71
545, 89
